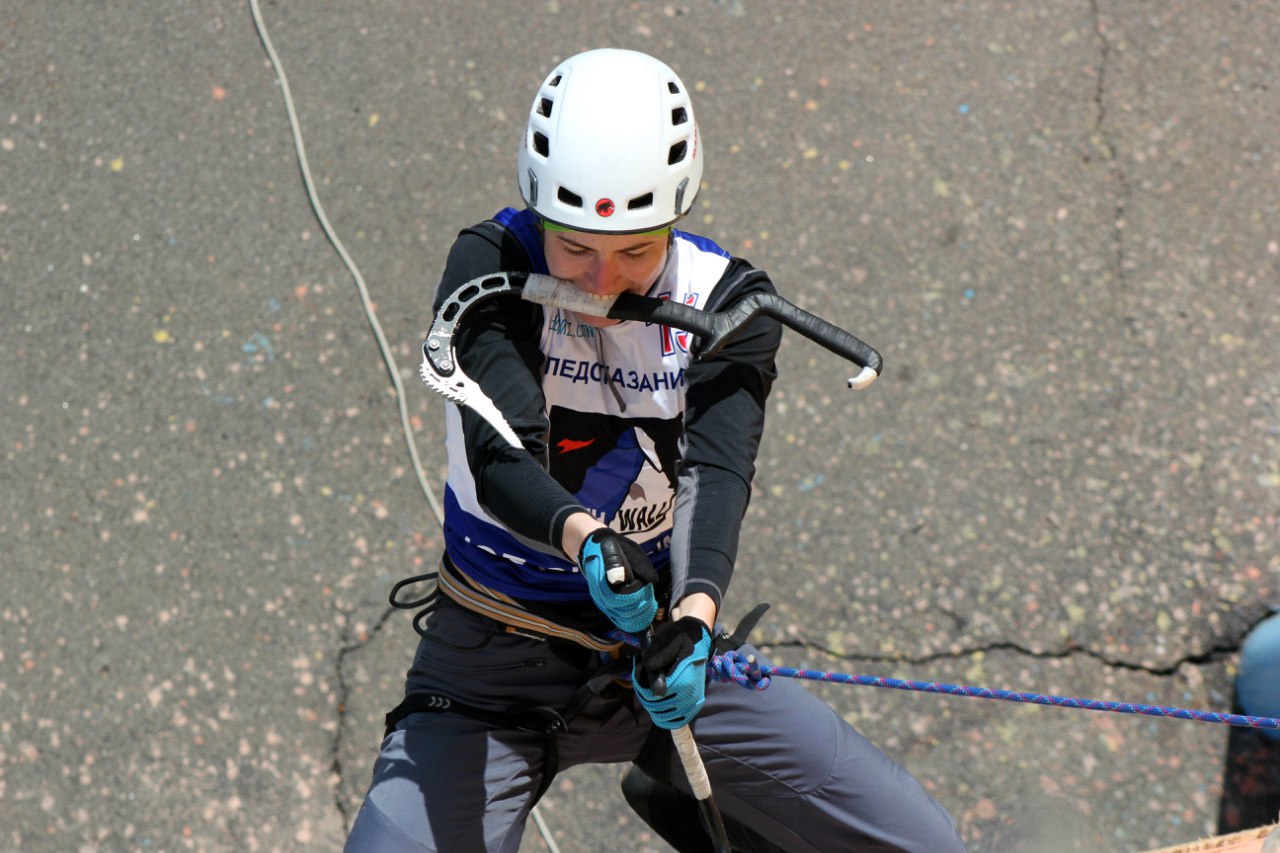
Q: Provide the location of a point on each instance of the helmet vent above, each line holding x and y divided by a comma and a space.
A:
678, 115
544, 107
555, 81
541, 144
570, 198
672, 87
677, 152
640, 202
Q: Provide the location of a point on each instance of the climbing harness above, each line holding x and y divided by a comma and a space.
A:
516, 617
533, 719
504, 614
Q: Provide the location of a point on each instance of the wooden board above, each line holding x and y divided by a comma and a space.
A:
1249, 841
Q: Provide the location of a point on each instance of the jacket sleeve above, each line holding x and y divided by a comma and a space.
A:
497, 347
724, 422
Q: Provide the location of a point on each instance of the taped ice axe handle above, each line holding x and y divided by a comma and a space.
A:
694, 770
717, 328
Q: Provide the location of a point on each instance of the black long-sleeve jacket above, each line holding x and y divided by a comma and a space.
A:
624, 422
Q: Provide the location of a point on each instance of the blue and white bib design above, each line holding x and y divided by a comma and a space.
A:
615, 398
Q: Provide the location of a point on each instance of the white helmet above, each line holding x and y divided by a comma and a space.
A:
611, 145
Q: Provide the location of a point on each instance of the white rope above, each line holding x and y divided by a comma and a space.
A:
346, 259
545, 831
369, 312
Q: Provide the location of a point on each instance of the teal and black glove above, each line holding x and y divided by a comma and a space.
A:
670, 676
630, 604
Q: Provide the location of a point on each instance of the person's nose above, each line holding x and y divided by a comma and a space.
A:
599, 278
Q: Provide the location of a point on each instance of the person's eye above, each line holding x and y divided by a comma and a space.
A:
577, 253
636, 255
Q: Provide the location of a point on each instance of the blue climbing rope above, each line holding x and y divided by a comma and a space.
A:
742, 670
733, 666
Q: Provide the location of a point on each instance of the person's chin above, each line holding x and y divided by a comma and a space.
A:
597, 322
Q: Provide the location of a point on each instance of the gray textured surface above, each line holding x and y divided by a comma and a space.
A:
1056, 220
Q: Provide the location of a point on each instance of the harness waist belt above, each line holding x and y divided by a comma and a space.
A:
467, 592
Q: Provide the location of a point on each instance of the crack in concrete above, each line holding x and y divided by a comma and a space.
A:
1107, 143
347, 645
1216, 652
1222, 649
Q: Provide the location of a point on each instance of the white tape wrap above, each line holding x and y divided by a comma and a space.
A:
693, 767
545, 290
863, 379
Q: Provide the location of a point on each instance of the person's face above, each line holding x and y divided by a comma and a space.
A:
605, 264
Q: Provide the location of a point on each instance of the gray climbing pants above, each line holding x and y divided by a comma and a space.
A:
780, 760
